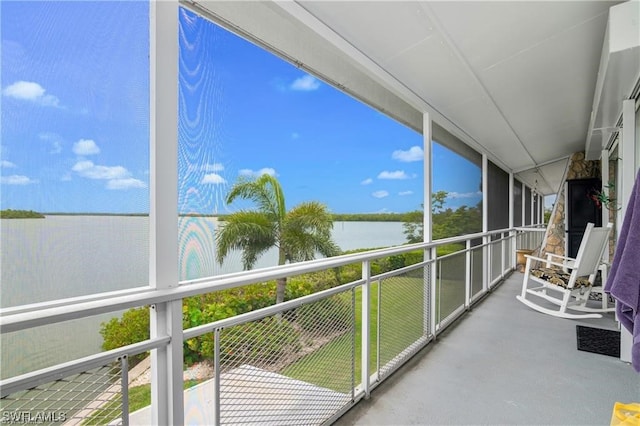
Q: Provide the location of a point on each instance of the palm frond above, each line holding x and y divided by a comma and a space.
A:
250, 231
307, 231
299, 234
264, 191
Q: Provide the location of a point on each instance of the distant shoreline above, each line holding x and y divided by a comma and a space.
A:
338, 217
20, 214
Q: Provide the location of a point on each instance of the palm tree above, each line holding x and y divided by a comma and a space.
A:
298, 234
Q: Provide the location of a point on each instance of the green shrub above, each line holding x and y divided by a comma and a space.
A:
132, 327
450, 248
255, 343
303, 285
350, 273
210, 307
413, 257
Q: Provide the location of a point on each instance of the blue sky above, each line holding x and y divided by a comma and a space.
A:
75, 121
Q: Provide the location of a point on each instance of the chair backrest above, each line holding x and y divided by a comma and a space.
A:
594, 242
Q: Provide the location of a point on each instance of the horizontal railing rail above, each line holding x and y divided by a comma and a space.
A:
57, 372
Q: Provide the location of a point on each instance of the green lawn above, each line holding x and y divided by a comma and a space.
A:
402, 319
402, 322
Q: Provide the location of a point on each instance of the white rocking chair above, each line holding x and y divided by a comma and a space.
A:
571, 278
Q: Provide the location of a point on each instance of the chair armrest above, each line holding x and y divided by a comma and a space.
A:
568, 262
560, 257
530, 257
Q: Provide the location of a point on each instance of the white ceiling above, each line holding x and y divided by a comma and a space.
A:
518, 78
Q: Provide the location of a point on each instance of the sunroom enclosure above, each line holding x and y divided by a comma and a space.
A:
289, 363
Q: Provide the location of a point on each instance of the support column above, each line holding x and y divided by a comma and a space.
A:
512, 234
429, 273
486, 250
167, 400
427, 168
604, 177
628, 152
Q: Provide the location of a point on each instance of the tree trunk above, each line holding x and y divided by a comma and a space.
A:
281, 285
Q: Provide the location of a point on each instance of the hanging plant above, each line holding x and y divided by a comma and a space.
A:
601, 199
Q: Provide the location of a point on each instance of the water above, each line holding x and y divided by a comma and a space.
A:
68, 256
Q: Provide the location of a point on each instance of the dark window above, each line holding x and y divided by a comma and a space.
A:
498, 197
517, 203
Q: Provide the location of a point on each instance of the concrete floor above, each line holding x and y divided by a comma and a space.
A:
503, 363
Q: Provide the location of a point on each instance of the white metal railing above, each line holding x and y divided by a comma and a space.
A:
529, 238
432, 294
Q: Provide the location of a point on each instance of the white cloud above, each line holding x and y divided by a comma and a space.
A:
86, 168
30, 91
16, 180
367, 181
398, 174
215, 167
456, 195
26, 90
125, 183
405, 193
48, 136
54, 139
305, 83
7, 165
380, 194
85, 147
414, 153
117, 177
213, 178
258, 173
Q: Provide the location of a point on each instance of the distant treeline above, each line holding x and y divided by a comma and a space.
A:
338, 217
95, 214
370, 217
20, 214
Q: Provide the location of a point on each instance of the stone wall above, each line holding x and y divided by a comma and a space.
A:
578, 168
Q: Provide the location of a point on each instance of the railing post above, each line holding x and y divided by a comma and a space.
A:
503, 246
366, 326
167, 396
124, 389
433, 291
486, 267
378, 328
426, 290
513, 237
468, 277
216, 377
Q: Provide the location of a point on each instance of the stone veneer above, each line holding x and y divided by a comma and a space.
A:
578, 168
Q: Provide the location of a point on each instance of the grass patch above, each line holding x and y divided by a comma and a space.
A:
402, 324
139, 397
402, 319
